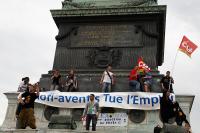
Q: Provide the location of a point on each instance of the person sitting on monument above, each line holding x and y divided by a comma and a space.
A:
166, 82
141, 74
170, 110
56, 79
107, 80
144, 75
133, 80
180, 115
71, 82
91, 112
147, 82
26, 116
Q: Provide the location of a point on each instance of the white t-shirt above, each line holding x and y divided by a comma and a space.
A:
106, 77
22, 87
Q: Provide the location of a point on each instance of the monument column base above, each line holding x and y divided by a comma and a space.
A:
137, 121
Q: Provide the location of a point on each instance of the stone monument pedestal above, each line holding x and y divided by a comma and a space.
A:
93, 34
140, 124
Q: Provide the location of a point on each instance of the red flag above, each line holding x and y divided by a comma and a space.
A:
187, 46
143, 65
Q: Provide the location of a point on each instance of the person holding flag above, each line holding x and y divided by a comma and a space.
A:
187, 47
166, 82
144, 76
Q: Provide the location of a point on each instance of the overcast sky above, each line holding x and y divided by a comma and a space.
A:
27, 45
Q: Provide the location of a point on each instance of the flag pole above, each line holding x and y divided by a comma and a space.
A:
173, 67
172, 72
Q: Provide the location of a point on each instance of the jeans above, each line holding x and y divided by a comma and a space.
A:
18, 109
54, 87
106, 87
134, 85
90, 117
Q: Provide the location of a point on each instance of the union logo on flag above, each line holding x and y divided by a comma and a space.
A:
143, 65
187, 46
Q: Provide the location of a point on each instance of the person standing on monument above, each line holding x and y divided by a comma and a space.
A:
23, 87
56, 79
91, 112
27, 99
71, 82
166, 82
107, 80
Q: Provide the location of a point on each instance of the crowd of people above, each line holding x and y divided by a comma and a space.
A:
69, 85
140, 80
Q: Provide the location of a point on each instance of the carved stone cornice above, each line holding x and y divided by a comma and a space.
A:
108, 11
71, 4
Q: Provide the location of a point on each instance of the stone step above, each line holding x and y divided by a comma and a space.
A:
67, 131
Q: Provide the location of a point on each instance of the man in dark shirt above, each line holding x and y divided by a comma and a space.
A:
166, 82
166, 107
26, 116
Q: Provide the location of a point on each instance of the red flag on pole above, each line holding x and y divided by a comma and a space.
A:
187, 46
142, 65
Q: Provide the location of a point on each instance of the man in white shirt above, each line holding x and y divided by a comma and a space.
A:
107, 80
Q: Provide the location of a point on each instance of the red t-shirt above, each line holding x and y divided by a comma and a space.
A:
133, 75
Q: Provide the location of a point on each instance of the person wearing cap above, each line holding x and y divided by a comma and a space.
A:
23, 85
91, 112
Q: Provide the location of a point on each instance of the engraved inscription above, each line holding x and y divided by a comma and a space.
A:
110, 35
